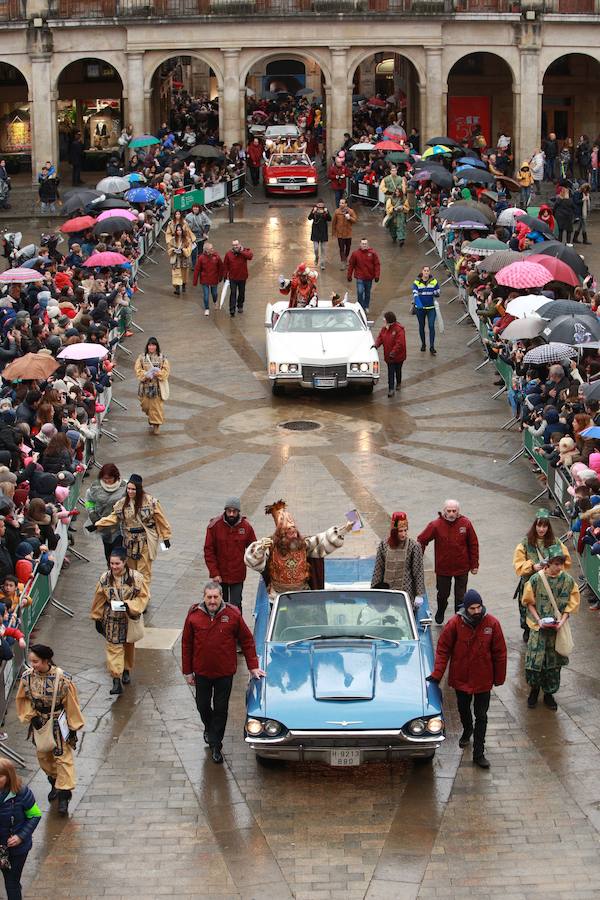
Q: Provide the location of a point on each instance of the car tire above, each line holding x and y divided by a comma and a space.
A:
276, 389
423, 760
267, 762
367, 388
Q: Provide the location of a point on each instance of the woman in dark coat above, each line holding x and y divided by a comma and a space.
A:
319, 232
565, 214
19, 817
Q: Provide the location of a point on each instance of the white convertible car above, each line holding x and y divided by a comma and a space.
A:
321, 347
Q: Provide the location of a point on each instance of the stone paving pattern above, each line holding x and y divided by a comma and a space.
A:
152, 816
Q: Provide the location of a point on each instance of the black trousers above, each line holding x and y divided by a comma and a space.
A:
394, 375
12, 876
254, 174
443, 585
232, 593
212, 702
481, 704
76, 173
344, 244
237, 295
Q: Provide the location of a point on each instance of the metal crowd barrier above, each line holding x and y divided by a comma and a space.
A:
370, 192
215, 193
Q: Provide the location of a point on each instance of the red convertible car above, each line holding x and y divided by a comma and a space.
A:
290, 172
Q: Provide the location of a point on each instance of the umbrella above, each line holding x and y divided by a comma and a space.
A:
524, 306
260, 114
398, 156
121, 213
144, 195
509, 216
521, 329
428, 163
83, 195
205, 151
32, 366
376, 101
135, 178
113, 185
549, 353
483, 208
458, 212
470, 173
20, 275
439, 176
575, 330
436, 150
362, 146
395, 133
388, 145
594, 430
83, 350
474, 226
357, 97
445, 141
559, 270
304, 92
537, 225
110, 203
105, 260
143, 140
522, 275
499, 260
510, 183
491, 195
257, 129
80, 200
555, 308
567, 254
78, 224
484, 246
469, 161
112, 225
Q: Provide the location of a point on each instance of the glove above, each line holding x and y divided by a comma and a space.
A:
91, 528
167, 543
37, 721
98, 626
432, 680
349, 278
376, 280
418, 602
72, 739
282, 281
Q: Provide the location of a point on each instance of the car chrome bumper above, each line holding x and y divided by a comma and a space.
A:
349, 380
317, 747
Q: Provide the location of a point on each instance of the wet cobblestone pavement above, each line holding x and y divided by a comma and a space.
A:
152, 816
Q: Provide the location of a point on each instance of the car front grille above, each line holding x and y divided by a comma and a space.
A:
291, 180
310, 372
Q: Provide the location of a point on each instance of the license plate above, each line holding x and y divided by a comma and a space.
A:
325, 382
342, 757
292, 187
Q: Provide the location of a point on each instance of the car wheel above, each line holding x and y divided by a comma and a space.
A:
267, 762
367, 388
427, 758
277, 389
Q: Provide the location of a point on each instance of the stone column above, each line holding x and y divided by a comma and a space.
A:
339, 100
435, 117
527, 109
43, 114
135, 109
231, 131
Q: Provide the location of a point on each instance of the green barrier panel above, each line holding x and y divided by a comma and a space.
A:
530, 442
187, 200
591, 569
40, 594
505, 372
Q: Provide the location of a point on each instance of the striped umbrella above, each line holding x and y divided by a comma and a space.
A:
20, 276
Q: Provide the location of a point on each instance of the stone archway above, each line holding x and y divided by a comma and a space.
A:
393, 84
189, 74
570, 103
16, 137
480, 95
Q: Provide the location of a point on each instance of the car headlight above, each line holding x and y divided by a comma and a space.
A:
272, 181
435, 725
288, 368
359, 367
272, 368
375, 368
272, 727
417, 726
310, 180
254, 726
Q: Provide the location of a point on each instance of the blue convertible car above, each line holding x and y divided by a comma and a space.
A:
346, 670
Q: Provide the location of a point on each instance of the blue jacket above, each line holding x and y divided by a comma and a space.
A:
425, 293
20, 815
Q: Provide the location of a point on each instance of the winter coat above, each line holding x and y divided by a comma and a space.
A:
61, 463
99, 503
393, 341
235, 265
224, 548
364, 265
337, 176
319, 231
208, 269
20, 815
564, 213
209, 645
255, 154
341, 227
456, 547
477, 655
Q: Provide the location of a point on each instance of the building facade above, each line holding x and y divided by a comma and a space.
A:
534, 64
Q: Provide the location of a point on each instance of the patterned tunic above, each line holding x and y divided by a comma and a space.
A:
34, 698
541, 652
400, 567
134, 595
142, 530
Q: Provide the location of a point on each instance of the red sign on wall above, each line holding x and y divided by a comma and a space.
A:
465, 113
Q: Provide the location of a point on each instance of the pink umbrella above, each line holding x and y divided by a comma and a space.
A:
84, 350
521, 275
559, 270
20, 276
122, 213
108, 259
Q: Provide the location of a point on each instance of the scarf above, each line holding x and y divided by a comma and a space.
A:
110, 488
470, 620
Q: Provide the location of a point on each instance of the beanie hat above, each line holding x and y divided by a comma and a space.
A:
23, 550
53, 312
471, 597
233, 503
60, 385
7, 475
135, 479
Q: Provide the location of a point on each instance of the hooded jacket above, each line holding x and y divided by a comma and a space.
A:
456, 547
224, 548
477, 654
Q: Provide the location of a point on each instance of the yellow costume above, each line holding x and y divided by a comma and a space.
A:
120, 654
141, 531
153, 389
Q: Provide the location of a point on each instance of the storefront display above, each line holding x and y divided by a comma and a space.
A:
15, 131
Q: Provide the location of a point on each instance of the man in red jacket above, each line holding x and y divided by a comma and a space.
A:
473, 642
338, 175
393, 339
227, 537
456, 554
365, 266
235, 263
209, 659
255, 158
209, 271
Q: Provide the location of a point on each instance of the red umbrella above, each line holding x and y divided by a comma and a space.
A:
559, 270
388, 145
395, 133
80, 223
521, 275
107, 259
376, 101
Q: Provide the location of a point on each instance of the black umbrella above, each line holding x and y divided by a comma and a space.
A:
441, 177
483, 208
459, 212
555, 308
470, 173
537, 225
112, 225
108, 203
78, 199
429, 163
203, 151
567, 254
575, 330
445, 141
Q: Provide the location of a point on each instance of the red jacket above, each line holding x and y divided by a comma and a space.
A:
477, 655
224, 548
209, 646
337, 177
393, 340
209, 269
456, 545
364, 264
235, 265
255, 154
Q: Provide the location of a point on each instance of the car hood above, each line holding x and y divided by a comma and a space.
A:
289, 171
322, 348
321, 684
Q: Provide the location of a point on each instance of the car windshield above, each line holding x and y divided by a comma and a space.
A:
336, 614
307, 320
289, 159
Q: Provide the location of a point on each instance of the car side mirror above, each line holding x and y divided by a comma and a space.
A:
268, 324
425, 623
370, 322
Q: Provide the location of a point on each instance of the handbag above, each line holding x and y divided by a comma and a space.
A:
135, 629
564, 643
163, 390
43, 737
4, 858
